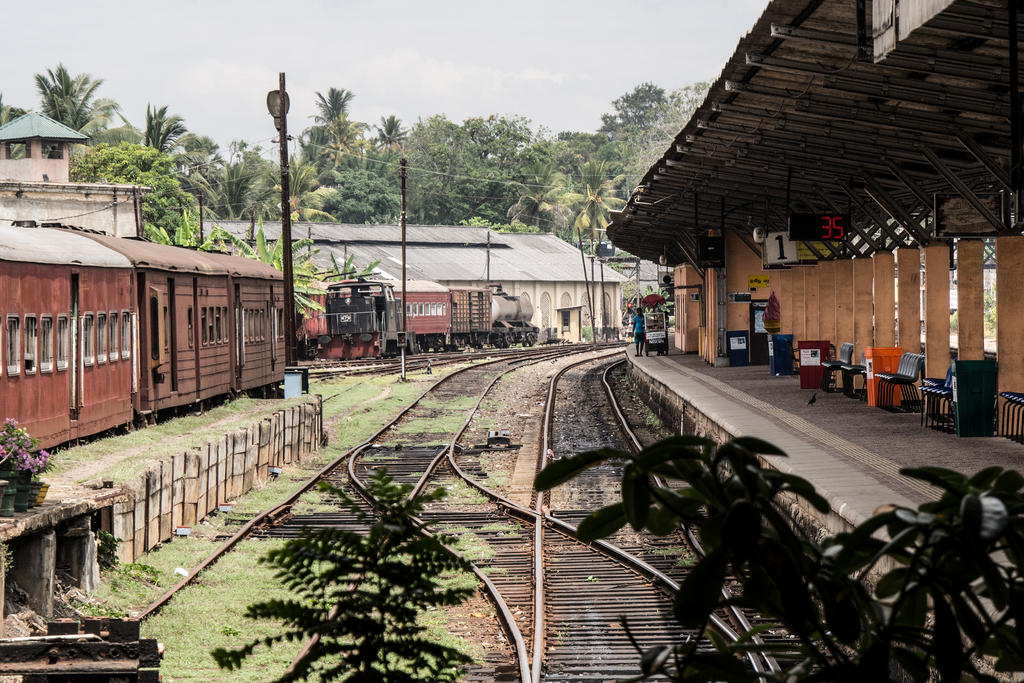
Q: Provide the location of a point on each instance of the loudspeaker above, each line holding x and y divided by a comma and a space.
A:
710, 251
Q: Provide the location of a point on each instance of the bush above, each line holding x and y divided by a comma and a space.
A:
954, 592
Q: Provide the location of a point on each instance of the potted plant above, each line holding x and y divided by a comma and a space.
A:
20, 461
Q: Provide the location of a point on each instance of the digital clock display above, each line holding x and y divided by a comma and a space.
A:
815, 227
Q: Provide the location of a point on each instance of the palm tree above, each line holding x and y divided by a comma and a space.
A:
303, 270
597, 199
72, 100
306, 195
9, 112
390, 134
162, 131
332, 106
542, 198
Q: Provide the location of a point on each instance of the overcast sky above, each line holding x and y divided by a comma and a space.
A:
557, 62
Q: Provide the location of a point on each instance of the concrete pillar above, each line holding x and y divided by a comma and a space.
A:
827, 302
908, 261
33, 566
1010, 312
970, 299
797, 301
78, 552
781, 284
884, 298
844, 301
710, 314
687, 312
936, 309
812, 329
863, 310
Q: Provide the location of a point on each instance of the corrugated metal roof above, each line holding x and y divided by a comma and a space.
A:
442, 253
179, 259
52, 246
38, 126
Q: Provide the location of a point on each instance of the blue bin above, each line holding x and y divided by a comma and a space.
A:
739, 347
780, 354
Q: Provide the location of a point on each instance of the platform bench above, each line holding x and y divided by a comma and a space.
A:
828, 380
1012, 415
937, 403
907, 374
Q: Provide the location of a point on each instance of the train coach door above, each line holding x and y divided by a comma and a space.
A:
158, 342
74, 357
239, 338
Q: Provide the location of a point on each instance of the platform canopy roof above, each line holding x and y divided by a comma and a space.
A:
834, 104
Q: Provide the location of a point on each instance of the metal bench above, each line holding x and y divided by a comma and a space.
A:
907, 374
828, 380
1012, 415
937, 403
850, 373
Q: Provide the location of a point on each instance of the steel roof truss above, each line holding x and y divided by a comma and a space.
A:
962, 188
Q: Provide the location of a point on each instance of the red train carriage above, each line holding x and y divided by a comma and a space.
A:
428, 314
207, 323
471, 316
66, 353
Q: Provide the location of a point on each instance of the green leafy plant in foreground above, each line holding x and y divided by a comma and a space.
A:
360, 595
910, 594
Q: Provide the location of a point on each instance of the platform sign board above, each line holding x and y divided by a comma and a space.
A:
758, 281
779, 251
954, 216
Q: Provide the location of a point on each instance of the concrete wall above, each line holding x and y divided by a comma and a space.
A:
109, 209
184, 489
34, 168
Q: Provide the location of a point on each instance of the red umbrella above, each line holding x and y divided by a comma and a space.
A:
652, 300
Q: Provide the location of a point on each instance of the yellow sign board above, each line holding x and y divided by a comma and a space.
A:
758, 281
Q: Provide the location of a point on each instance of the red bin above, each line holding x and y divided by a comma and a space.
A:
879, 359
812, 355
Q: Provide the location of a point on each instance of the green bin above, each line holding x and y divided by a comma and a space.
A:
974, 397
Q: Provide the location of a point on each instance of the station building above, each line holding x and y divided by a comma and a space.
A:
854, 159
542, 268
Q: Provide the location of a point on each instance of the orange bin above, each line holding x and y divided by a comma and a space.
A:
879, 359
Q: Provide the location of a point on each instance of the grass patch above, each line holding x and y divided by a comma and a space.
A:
312, 502
469, 544
461, 493
213, 610
504, 529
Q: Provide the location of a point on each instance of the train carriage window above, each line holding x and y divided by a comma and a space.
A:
88, 339
46, 344
263, 325
202, 323
63, 342
13, 345
168, 333
101, 337
224, 316
126, 334
279, 323
31, 343
216, 315
112, 336
190, 328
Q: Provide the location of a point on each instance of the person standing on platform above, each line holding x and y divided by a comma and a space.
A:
639, 331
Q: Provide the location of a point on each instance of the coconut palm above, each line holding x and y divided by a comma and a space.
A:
303, 270
307, 196
597, 199
390, 134
72, 100
542, 197
9, 112
162, 131
332, 105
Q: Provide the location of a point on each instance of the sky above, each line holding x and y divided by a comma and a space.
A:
559, 63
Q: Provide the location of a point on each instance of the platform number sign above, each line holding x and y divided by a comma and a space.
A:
779, 250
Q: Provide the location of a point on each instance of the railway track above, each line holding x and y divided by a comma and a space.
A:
563, 605
366, 366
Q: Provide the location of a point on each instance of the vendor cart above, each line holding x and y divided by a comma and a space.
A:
656, 323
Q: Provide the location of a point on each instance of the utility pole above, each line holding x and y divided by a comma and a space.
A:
590, 299
201, 238
277, 104
402, 175
604, 312
487, 278
598, 305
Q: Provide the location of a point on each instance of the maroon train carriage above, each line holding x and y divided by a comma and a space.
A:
208, 324
427, 315
66, 352
471, 317
311, 328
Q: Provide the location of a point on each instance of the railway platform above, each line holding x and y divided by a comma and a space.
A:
851, 452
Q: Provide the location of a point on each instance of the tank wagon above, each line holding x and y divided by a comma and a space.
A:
361, 319
100, 331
